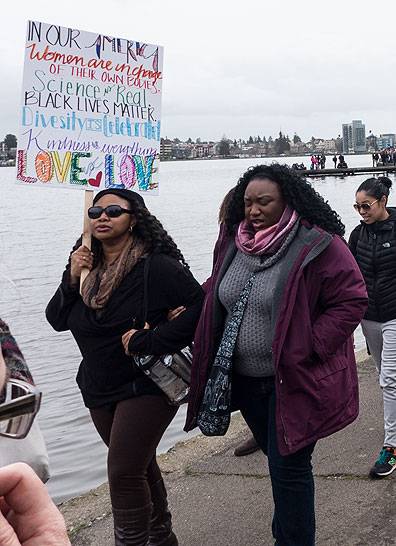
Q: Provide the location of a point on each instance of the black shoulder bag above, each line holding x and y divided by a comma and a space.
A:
170, 372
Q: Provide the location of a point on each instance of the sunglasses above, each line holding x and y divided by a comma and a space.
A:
112, 211
19, 406
364, 206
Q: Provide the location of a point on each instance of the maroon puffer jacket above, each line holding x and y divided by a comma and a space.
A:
320, 298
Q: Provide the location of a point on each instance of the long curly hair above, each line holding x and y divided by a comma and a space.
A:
149, 230
296, 192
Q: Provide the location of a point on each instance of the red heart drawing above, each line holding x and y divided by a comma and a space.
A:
95, 181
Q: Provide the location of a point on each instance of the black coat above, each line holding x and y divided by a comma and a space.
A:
106, 374
374, 248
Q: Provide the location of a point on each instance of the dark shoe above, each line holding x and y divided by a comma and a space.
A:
246, 447
161, 533
385, 464
131, 526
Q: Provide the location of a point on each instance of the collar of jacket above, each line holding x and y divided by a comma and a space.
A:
384, 225
309, 242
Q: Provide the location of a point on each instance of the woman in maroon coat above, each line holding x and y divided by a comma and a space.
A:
284, 299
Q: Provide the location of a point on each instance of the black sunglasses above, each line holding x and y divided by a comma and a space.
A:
112, 211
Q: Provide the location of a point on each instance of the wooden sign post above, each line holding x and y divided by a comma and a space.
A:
86, 237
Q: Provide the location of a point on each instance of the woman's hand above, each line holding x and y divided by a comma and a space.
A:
174, 313
82, 258
28, 516
127, 336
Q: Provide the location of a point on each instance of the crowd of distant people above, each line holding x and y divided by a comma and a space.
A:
387, 156
339, 162
319, 162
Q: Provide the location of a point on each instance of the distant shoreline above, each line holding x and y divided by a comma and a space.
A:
214, 158
172, 160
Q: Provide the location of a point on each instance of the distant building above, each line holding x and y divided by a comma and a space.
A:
165, 148
371, 143
354, 137
346, 138
317, 145
387, 140
202, 149
298, 148
330, 146
3, 151
325, 146
181, 150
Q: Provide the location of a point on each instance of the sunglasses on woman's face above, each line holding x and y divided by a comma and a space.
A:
19, 406
364, 206
112, 211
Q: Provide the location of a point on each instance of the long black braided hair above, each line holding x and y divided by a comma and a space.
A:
296, 192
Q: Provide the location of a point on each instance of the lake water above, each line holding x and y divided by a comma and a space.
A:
38, 228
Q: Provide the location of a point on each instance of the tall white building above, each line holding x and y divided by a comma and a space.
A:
354, 137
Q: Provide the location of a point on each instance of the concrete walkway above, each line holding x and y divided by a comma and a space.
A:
218, 499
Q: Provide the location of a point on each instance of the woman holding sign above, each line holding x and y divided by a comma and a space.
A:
129, 411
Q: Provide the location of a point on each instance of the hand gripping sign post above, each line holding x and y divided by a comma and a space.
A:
90, 114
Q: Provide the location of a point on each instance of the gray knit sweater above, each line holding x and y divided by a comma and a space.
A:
252, 354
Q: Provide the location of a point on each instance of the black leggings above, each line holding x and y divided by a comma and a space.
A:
132, 430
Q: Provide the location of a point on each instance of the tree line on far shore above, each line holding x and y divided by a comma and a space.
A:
10, 141
280, 145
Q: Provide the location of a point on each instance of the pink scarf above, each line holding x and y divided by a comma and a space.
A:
268, 240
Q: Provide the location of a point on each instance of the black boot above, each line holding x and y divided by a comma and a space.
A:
161, 533
131, 525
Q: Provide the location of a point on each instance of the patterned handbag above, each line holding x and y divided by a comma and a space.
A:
170, 372
215, 412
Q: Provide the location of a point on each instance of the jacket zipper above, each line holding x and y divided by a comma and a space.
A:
375, 272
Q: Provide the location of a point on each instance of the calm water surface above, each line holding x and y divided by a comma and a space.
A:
38, 228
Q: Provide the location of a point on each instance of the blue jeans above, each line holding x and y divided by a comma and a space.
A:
292, 480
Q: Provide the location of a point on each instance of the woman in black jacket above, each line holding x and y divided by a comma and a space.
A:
373, 243
129, 411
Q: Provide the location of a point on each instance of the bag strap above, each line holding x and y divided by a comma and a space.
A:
146, 272
231, 330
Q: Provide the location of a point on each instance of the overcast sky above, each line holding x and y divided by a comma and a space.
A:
237, 68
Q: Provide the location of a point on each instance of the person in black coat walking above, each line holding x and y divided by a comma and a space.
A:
128, 410
373, 243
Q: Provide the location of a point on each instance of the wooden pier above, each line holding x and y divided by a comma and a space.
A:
384, 170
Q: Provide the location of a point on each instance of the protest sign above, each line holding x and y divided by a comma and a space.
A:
91, 111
